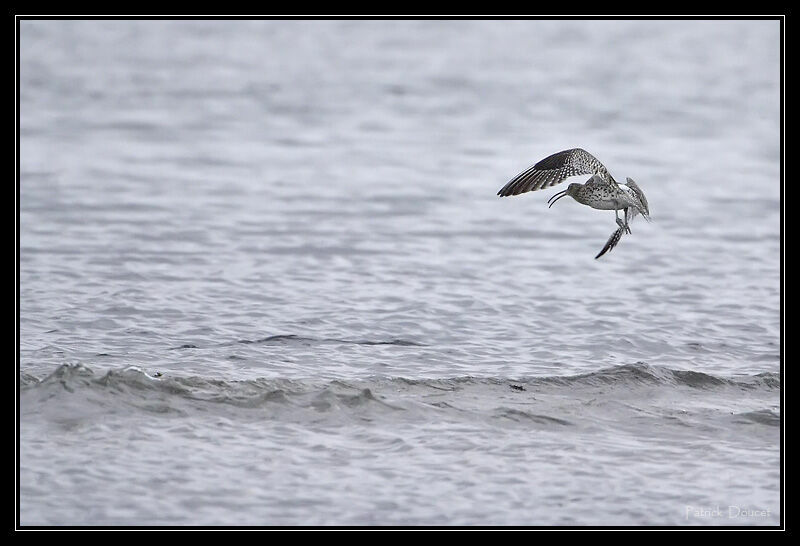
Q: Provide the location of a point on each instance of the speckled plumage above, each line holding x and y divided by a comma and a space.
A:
601, 191
553, 170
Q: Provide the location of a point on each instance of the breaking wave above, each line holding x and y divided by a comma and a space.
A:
254, 392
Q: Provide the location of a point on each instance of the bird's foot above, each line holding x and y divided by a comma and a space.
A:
626, 228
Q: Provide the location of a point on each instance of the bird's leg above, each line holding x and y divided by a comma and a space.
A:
620, 223
623, 224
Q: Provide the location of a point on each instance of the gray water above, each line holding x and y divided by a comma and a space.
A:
265, 278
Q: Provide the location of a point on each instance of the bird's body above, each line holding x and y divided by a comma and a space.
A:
601, 191
597, 194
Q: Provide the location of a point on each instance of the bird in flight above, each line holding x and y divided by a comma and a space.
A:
601, 191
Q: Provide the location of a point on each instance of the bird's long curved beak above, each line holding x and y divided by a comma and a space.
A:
556, 197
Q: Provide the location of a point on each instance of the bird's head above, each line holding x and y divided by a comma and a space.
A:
571, 189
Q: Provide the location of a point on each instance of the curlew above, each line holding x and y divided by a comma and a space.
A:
601, 191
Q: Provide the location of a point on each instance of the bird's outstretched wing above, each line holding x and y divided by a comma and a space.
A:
612, 242
553, 170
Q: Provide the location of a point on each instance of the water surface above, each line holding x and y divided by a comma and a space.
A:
265, 278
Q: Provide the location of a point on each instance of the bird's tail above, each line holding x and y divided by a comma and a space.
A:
644, 209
